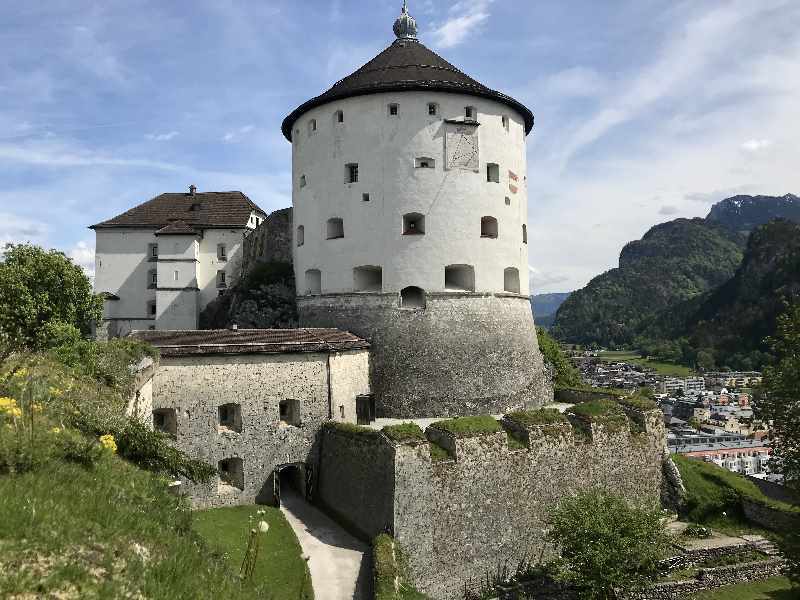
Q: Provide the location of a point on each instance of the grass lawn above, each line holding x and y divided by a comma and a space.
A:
279, 568
775, 588
662, 368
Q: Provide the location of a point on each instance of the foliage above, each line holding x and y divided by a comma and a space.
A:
106, 531
606, 544
712, 490
43, 295
463, 427
564, 373
781, 404
774, 588
638, 402
672, 263
694, 530
531, 418
279, 571
514, 439
605, 411
404, 432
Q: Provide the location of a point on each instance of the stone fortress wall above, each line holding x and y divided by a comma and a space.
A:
458, 519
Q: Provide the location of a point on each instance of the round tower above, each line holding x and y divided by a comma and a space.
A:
410, 208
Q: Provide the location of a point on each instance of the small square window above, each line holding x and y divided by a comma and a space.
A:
393, 110
432, 109
152, 251
222, 253
289, 412
470, 113
230, 417
365, 197
165, 421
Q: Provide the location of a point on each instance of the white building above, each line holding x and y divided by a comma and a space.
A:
160, 263
410, 223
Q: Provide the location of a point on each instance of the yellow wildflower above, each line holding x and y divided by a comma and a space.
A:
9, 406
107, 441
15, 412
37, 407
55, 430
22, 373
54, 391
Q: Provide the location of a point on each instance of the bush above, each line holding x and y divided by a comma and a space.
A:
404, 432
638, 402
602, 411
697, 531
352, 430
607, 546
438, 453
463, 427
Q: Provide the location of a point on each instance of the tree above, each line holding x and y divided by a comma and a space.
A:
608, 547
565, 375
780, 403
43, 295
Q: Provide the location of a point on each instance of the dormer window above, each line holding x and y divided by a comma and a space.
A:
393, 110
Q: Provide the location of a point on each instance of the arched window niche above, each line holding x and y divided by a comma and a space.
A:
511, 280
412, 297
313, 282
459, 278
489, 227
334, 228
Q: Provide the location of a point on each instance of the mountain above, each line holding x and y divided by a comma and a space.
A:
731, 324
545, 306
662, 279
672, 263
745, 213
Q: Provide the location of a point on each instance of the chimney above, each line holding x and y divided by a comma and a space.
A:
192, 189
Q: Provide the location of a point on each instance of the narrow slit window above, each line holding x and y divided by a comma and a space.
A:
493, 172
470, 114
152, 251
508, 201
152, 278
339, 116
524, 234
221, 279
393, 110
301, 235
312, 126
505, 122
175, 275
433, 109
222, 252
334, 228
151, 309
302, 181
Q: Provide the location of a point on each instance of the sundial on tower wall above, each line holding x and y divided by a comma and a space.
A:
461, 145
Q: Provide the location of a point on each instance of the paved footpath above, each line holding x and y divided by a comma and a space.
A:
339, 563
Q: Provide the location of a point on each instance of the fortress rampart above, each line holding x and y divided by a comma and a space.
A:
458, 518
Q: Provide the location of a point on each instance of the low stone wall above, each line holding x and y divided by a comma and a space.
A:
577, 396
712, 578
691, 558
770, 518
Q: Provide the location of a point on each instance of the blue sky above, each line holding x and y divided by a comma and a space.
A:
645, 110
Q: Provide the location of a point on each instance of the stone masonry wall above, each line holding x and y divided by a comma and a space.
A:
458, 519
465, 353
197, 386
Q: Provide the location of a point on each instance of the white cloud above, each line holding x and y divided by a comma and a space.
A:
575, 81
465, 18
755, 145
668, 210
161, 137
82, 254
236, 135
19, 230
54, 154
543, 278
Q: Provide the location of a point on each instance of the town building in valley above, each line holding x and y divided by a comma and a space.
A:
160, 263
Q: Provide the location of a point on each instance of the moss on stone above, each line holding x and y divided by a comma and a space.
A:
530, 418
514, 441
352, 430
638, 403
404, 432
438, 453
463, 427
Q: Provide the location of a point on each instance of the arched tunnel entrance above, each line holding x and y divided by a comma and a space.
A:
290, 478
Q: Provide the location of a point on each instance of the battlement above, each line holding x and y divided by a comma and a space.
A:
467, 493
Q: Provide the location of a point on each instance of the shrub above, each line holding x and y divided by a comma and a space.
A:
463, 427
607, 546
352, 430
638, 402
404, 432
438, 453
602, 411
697, 531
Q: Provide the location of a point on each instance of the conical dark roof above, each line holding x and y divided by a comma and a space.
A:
405, 65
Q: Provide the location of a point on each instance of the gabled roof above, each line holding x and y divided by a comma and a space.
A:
405, 65
201, 210
177, 228
250, 341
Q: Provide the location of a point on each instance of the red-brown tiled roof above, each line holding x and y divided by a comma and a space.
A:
200, 210
250, 341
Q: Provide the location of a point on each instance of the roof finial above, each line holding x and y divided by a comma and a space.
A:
405, 27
